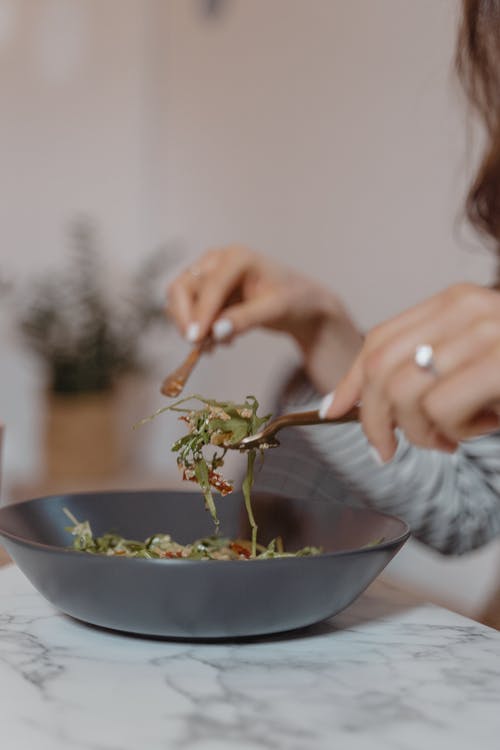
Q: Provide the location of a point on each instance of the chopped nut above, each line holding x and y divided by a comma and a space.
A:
216, 412
245, 413
221, 438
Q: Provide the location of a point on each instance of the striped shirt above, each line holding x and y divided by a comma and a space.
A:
451, 502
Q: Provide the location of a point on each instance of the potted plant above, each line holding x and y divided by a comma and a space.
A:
91, 343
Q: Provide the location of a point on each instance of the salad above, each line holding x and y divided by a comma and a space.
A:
213, 428
218, 424
163, 546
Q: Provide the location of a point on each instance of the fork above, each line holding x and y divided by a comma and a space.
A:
266, 438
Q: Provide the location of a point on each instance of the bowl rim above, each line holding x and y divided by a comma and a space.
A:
56, 549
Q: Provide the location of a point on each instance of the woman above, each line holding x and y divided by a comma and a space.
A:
433, 371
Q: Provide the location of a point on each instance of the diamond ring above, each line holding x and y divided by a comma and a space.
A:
424, 359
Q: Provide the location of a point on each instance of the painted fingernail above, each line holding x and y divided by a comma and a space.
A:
376, 456
222, 328
325, 404
193, 332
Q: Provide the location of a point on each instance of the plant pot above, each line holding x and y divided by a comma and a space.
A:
90, 435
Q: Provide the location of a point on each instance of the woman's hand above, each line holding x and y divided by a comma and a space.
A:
457, 398
231, 290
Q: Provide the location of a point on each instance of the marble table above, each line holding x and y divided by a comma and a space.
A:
383, 674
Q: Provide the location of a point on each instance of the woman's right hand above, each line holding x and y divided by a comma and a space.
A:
231, 290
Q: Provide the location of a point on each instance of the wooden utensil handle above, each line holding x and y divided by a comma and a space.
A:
175, 382
302, 418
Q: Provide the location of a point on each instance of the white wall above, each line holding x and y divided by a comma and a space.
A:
326, 133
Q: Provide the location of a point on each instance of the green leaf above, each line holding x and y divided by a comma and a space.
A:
201, 471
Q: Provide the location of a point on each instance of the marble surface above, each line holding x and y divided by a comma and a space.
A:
383, 674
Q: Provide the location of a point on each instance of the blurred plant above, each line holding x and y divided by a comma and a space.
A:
5, 286
87, 339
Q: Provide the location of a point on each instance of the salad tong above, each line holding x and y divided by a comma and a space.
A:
266, 438
174, 383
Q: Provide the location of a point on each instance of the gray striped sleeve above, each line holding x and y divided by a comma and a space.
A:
452, 502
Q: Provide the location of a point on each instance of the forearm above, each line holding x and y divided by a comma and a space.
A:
328, 343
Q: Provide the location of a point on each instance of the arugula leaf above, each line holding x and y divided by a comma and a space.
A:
220, 424
202, 475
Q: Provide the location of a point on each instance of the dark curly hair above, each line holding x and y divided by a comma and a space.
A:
478, 64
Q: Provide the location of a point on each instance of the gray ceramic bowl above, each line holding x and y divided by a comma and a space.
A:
192, 598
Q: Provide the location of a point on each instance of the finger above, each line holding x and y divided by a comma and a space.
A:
394, 384
375, 416
381, 364
347, 392
374, 366
184, 291
377, 423
471, 342
217, 287
480, 425
443, 315
464, 403
180, 302
408, 384
406, 389
393, 344
470, 346
468, 301
261, 311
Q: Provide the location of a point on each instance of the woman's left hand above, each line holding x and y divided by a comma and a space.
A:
456, 397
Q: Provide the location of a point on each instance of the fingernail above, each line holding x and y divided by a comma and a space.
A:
376, 456
222, 328
193, 332
325, 404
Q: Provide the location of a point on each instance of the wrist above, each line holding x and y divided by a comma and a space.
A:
328, 341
